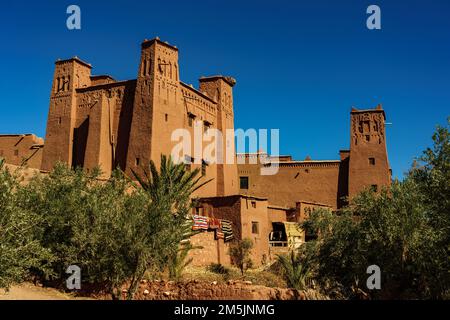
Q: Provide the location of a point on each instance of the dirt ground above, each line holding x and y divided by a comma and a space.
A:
28, 291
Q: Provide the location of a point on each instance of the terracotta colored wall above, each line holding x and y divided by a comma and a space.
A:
221, 90
242, 213
260, 215
94, 120
308, 181
303, 209
162, 105
326, 182
213, 251
277, 214
22, 149
102, 126
368, 140
69, 75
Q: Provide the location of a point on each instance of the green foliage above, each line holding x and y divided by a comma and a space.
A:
432, 176
167, 224
294, 270
403, 229
177, 263
87, 223
240, 254
113, 230
219, 269
19, 250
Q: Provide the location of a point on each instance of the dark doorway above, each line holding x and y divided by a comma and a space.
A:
80, 136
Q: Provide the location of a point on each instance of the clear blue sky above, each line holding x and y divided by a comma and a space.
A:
300, 65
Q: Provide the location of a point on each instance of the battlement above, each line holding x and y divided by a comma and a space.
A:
230, 80
73, 59
377, 109
102, 79
147, 43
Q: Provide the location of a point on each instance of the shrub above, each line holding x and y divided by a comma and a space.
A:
166, 225
20, 252
404, 230
87, 223
178, 262
219, 269
294, 270
240, 254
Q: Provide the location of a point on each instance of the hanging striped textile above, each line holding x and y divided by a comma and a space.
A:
219, 234
200, 223
227, 230
213, 223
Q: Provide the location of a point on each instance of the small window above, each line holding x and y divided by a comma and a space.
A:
166, 116
367, 138
191, 119
206, 125
372, 161
137, 162
253, 204
16, 152
59, 120
243, 182
255, 227
374, 188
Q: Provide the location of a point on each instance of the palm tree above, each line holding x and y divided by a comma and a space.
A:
167, 228
295, 271
172, 182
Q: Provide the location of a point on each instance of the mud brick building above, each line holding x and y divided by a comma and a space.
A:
95, 120
21, 149
325, 182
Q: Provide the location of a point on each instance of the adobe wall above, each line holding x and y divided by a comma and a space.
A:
163, 104
102, 126
69, 75
213, 251
368, 162
223, 208
22, 150
242, 211
306, 181
278, 214
255, 211
333, 182
303, 209
97, 121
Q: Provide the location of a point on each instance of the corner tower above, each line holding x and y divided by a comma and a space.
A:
69, 75
221, 89
157, 105
368, 164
